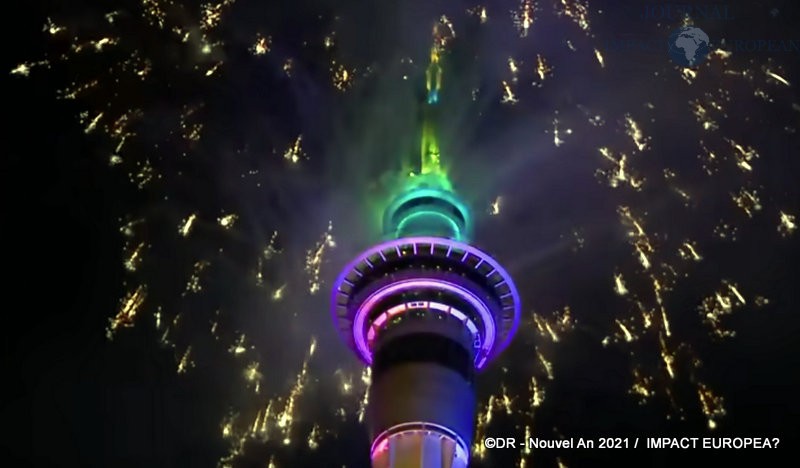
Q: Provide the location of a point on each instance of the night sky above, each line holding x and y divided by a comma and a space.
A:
279, 158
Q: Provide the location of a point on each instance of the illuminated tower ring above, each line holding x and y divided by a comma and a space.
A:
433, 273
426, 211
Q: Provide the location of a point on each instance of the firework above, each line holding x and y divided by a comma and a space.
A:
211, 182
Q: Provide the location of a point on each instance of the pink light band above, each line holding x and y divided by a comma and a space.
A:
379, 322
421, 284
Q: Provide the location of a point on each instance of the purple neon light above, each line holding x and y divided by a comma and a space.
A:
381, 443
427, 283
433, 241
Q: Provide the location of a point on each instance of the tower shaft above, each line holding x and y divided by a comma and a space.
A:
422, 397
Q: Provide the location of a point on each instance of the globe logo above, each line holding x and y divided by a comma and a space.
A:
688, 46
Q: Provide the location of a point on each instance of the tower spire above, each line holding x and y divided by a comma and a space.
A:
430, 162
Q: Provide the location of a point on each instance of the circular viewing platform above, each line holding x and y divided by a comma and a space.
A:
434, 274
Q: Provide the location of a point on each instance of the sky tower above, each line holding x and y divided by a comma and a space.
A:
426, 310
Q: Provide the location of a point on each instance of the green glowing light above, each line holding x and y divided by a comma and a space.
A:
431, 162
430, 157
429, 223
422, 202
427, 212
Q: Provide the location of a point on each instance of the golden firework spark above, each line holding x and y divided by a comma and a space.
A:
508, 94
787, 225
537, 393
227, 221
193, 285
747, 200
688, 251
642, 387
134, 258
279, 292
253, 376
557, 140
342, 76
314, 258
558, 323
313, 437
635, 132
480, 12
261, 45
366, 380
619, 285
576, 10
543, 69
780, 79
186, 225
239, 346
712, 404
294, 152
185, 363
620, 173
599, 56
129, 308
513, 68
524, 16
494, 207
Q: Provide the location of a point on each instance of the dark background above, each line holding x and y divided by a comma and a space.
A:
72, 398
